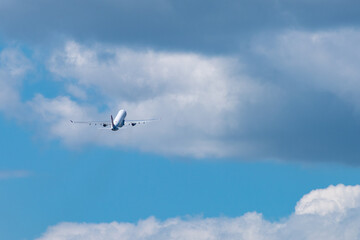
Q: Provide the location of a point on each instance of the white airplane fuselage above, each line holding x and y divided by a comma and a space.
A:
119, 120
116, 123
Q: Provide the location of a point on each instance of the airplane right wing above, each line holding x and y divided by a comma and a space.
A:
138, 122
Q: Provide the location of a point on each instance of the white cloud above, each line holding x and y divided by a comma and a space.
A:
251, 226
13, 67
55, 114
76, 91
334, 199
198, 98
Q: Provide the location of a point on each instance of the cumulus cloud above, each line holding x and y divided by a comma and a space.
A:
186, 90
328, 223
197, 97
334, 199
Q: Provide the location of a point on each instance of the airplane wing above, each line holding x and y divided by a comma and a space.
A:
138, 122
104, 124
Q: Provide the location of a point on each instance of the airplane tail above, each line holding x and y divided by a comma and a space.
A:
112, 122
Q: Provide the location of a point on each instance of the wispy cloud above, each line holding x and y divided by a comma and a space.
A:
8, 174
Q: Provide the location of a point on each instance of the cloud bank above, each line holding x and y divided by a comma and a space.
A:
331, 213
218, 27
221, 107
300, 104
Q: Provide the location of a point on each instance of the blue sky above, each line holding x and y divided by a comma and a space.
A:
259, 106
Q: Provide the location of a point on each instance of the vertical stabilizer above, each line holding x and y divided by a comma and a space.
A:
112, 122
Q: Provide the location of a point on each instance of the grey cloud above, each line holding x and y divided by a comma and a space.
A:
209, 26
322, 14
317, 70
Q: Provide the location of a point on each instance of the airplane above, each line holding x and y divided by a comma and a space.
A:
117, 123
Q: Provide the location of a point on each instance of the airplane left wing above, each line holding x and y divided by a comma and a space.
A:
104, 124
